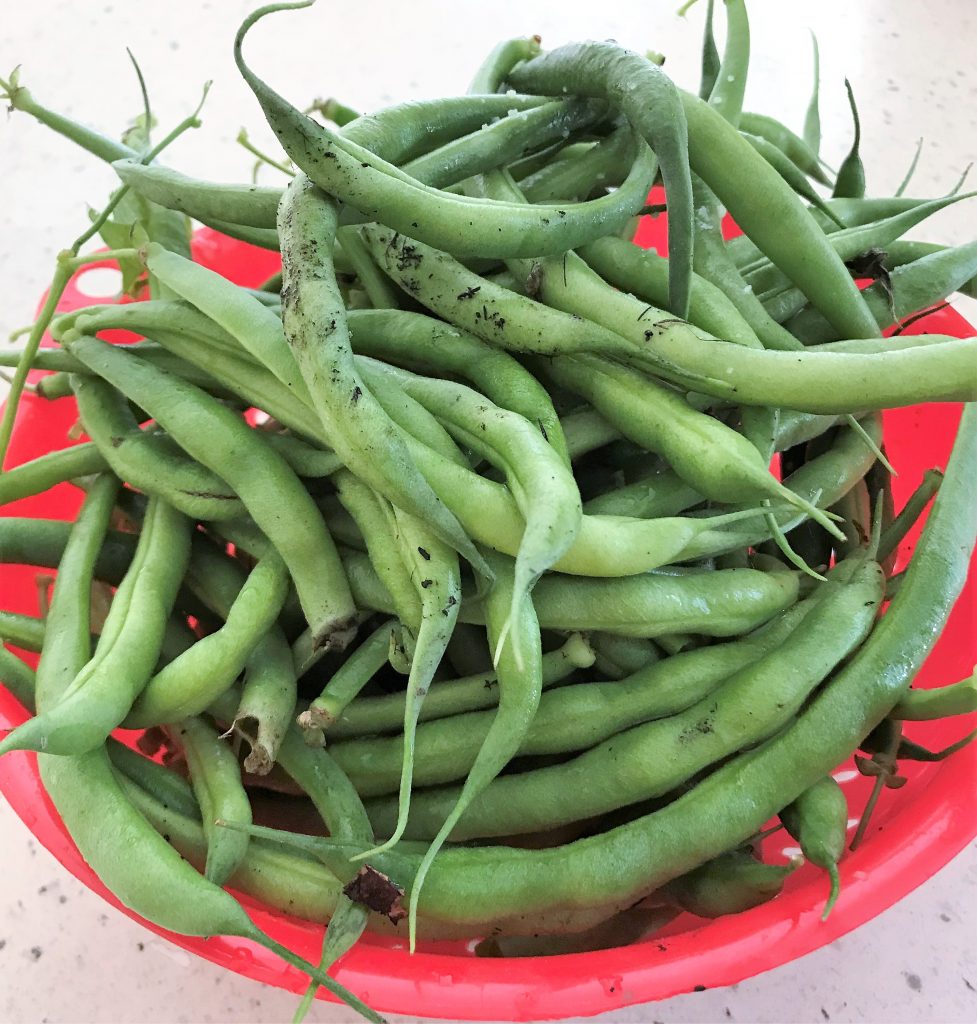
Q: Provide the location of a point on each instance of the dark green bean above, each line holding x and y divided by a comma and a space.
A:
850, 181
651, 104
730, 884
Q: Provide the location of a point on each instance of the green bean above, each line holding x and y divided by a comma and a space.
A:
435, 574
49, 470
245, 378
504, 141
723, 603
902, 252
792, 174
587, 431
268, 699
501, 317
958, 698
896, 532
825, 479
406, 412
356, 425
150, 463
729, 884
520, 667
42, 542
662, 493
651, 103
409, 130
821, 382
726, 94
168, 787
376, 286
100, 695
712, 261
791, 144
332, 707
850, 181
818, 820
543, 487
784, 301
374, 516
23, 631
577, 176
17, 677
812, 117
187, 685
216, 779
270, 491
710, 56
503, 58
652, 759
620, 656
645, 274
768, 211
367, 715
246, 206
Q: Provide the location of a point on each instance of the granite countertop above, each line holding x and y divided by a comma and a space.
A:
64, 954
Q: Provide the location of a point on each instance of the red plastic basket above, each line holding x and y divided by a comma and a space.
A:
915, 831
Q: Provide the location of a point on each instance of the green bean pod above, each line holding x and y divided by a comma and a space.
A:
187, 685
268, 699
729, 884
216, 779
767, 209
791, 144
17, 677
940, 702
331, 706
577, 175
423, 344
645, 274
149, 462
651, 103
820, 382
102, 693
818, 820
49, 470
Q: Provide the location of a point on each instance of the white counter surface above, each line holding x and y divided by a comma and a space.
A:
65, 956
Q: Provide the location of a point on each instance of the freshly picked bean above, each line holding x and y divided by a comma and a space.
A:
481, 575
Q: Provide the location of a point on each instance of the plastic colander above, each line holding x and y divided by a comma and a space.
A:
915, 831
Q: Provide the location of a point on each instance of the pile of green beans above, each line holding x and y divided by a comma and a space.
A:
546, 571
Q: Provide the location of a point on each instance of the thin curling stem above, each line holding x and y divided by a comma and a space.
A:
67, 264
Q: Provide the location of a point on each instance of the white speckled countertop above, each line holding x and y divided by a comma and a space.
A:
65, 956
